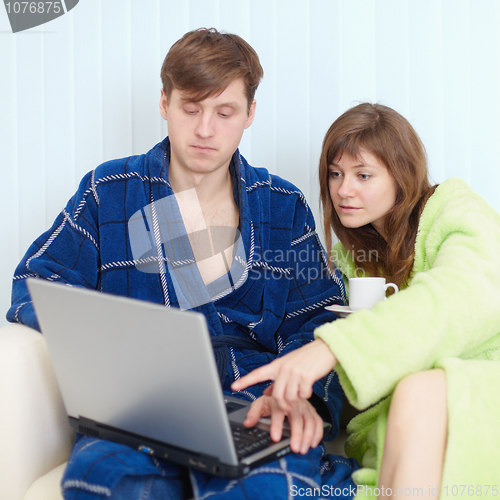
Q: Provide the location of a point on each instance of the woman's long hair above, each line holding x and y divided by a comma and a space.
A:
388, 136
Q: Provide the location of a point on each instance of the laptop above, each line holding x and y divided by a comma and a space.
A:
145, 375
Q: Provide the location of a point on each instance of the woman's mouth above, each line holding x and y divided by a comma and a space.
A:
346, 209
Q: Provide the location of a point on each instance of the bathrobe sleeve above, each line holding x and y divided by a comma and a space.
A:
311, 287
449, 308
68, 252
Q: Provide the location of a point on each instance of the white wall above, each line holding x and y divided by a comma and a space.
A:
85, 87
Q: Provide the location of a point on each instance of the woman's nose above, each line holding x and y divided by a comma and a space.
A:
346, 188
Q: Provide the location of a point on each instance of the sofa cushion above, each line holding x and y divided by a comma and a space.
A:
47, 487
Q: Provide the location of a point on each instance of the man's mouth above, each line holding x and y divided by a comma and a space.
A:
202, 149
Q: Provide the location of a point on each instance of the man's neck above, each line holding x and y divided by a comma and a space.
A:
212, 206
211, 189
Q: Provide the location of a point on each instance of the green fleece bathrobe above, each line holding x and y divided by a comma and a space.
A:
448, 317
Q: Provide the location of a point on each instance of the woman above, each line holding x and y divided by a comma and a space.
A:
424, 361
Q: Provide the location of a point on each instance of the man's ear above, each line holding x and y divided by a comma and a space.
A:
251, 114
163, 105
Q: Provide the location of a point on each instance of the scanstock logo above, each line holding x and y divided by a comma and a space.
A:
26, 15
172, 234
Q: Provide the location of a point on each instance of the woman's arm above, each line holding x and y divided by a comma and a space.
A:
293, 374
449, 309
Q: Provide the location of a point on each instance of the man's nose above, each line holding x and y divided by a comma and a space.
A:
205, 126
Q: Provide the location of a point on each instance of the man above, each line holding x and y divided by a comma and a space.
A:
224, 238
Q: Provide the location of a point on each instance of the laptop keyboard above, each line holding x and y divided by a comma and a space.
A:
250, 440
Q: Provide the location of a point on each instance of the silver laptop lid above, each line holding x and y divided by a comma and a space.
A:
136, 366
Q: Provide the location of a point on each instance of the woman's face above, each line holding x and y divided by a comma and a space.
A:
362, 190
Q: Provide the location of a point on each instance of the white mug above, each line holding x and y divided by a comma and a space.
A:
364, 293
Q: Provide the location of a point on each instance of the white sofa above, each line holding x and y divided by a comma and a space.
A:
34, 432
35, 436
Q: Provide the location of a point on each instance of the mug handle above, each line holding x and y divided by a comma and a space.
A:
393, 286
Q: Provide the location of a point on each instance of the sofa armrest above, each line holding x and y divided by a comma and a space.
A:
34, 431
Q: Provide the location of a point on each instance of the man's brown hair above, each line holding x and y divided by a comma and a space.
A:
204, 62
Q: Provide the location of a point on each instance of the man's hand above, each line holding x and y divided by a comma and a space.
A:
293, 374
305, 424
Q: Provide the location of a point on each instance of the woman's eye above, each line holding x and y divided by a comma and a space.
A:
364, 177
334, 174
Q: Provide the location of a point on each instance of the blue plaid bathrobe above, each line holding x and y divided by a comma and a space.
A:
271, 307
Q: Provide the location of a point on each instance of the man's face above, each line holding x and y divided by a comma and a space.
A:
204, 135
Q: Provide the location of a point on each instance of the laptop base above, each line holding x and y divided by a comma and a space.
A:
204, 463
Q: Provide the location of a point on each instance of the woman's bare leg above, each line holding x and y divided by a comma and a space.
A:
416, 436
